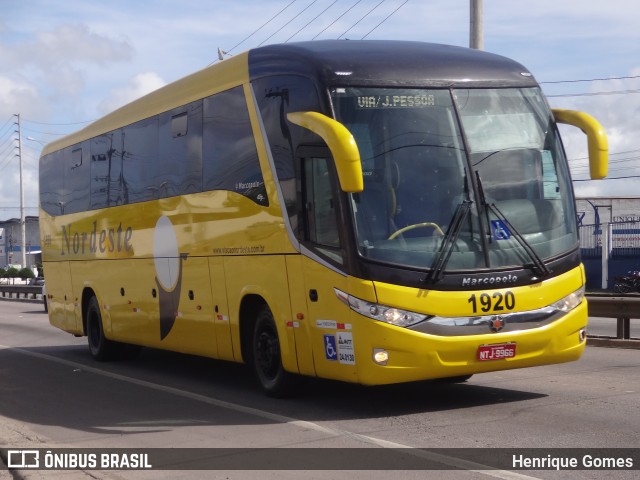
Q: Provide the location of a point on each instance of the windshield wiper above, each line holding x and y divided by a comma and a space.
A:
449, 241
538, 265
451, 237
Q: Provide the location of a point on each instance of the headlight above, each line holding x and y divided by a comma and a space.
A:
570, 302
382, 313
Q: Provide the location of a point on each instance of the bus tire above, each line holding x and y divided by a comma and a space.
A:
100, 347
266, 357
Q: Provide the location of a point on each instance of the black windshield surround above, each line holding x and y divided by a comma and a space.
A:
510, 222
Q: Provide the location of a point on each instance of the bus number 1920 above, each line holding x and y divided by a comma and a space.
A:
496, 302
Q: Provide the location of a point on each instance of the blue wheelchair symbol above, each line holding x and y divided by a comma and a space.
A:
330, 350
500, 230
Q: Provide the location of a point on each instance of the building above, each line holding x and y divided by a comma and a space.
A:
11, 239
594, 211
609, 237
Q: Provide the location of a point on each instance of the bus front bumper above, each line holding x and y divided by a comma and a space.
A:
389, 354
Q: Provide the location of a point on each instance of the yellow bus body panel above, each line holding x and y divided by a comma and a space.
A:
113, 256
415, 356
457, 304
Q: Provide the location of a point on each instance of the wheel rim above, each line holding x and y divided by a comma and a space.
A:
267, 353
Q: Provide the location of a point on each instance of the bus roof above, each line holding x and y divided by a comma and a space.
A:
332, 62
388, 63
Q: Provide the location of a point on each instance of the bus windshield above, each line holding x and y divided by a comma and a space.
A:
479, 172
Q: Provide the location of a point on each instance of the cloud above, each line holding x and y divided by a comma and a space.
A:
137, 87
64, 46
77, 43
44, 72
14, 96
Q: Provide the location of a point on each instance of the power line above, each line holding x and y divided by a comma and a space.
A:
607, 178
362, 18
7, 135
7, 162
45, 133
612, 162
281, 28
260, 28
385, 19
311, 21
610, 153
593, 94
8, 122
333, 23
9, 143
57, 124
590, 80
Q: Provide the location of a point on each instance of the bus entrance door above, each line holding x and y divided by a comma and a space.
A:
302, 329
331, 333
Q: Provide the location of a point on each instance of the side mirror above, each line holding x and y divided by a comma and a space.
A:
596, 138
341, 143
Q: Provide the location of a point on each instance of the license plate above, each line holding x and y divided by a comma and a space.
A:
497, 351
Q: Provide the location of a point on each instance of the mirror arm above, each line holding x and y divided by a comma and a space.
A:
596, 138
341, 143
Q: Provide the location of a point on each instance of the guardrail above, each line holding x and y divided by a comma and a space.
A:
21, 291
621, 307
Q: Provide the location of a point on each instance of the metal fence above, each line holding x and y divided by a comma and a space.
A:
623, 239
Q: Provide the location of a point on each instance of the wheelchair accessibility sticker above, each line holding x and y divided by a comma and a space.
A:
500, 230
330, 349
340, 347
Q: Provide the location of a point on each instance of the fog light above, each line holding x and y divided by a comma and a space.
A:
380, 356
583, 334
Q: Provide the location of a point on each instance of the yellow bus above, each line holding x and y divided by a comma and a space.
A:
368, 211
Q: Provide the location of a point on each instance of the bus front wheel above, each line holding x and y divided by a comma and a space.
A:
266, 357
99, 346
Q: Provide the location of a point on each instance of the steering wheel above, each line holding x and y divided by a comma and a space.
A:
416, 225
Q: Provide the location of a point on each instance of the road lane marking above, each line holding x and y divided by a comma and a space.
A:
333, 432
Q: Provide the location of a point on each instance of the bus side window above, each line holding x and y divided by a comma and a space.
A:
51, 183
320, 207
77, 167
140, 175
106, 170
179, 162
277, 96
230, 156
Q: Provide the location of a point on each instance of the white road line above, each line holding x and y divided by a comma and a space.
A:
334, 432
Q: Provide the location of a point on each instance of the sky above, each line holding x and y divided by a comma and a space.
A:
66, 63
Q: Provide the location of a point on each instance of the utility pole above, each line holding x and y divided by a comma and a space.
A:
23, 235
476, 26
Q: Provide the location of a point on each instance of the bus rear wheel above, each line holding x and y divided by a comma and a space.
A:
100, 347
266, 358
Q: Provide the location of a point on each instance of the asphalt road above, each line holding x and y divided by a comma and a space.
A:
55, 396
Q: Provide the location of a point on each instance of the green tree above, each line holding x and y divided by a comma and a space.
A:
12, 273
26, 273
